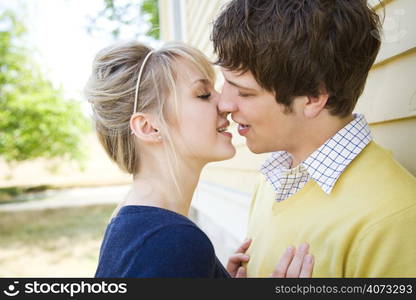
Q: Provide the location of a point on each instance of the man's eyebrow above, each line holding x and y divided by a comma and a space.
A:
240, 86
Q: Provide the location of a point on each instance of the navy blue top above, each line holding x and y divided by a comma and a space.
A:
146, 241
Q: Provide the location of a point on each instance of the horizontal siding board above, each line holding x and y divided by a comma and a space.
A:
165, 22
390, 91
399, 30
240, 181
243, 160
377, 3
399, 137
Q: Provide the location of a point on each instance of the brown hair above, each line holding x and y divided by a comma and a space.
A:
297, 47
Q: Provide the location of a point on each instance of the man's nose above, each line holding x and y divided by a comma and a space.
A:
226, 104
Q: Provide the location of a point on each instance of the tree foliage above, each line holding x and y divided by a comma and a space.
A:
151, 8
35, 120
119, 14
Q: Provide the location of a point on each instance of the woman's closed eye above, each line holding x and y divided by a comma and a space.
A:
204, 96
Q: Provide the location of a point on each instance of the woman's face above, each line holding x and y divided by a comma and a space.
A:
201, 130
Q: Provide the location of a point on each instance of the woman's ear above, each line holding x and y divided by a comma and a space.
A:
314, 105
143, 127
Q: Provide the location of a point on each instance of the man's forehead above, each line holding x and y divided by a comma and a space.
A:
244, 80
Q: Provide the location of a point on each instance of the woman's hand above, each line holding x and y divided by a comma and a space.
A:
294, 263
234, 265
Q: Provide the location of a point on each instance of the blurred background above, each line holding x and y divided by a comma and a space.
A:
58, 188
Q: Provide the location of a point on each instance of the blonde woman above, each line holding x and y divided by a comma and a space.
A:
156, 115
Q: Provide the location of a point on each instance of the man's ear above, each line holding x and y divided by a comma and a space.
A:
314, 105
143, 127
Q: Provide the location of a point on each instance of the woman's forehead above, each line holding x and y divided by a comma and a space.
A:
193, 79
189, 74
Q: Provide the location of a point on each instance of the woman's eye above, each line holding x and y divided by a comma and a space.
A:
205, 96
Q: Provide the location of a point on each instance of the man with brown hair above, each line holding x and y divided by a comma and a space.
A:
294, 71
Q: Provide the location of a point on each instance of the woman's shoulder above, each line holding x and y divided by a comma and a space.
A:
177, 250
148, 218
172, 247
145, 212
147, 225
176, 234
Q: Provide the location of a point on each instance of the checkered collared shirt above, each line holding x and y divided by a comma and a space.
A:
325, 165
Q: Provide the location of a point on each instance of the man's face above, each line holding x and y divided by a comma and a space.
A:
266, 124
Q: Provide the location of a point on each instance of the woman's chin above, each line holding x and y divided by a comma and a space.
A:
225, 153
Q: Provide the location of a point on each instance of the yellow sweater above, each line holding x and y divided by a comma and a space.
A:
366, 227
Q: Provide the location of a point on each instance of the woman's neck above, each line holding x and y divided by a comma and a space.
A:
154, 186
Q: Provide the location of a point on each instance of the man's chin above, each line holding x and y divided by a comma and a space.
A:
254, 148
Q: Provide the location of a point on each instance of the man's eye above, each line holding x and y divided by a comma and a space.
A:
243, 94
205, 96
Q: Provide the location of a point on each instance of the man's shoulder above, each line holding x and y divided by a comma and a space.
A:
376, 167
376, 182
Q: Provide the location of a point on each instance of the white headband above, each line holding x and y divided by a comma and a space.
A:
138, 80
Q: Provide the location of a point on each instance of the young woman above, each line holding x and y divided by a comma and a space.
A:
156, 115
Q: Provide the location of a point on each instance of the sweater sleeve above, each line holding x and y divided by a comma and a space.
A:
387, 249
174, 251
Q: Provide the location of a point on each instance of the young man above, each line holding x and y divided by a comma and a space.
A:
293, 73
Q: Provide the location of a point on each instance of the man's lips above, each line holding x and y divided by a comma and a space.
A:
243, 129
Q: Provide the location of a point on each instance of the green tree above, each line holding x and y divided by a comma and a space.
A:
35, 120
131, 14
151, 8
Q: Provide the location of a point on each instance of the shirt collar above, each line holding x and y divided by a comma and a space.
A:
328, 162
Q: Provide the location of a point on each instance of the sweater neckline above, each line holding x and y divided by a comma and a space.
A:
279, 206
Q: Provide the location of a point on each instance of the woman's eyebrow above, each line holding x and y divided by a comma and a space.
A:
201, 80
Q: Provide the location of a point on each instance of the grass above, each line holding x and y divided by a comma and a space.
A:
52, 243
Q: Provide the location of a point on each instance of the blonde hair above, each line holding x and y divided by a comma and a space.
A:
111, 90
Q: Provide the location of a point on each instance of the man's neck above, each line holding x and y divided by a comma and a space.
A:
315, 134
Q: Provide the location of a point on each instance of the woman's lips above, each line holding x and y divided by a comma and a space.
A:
243, 129
227, 134
223, 129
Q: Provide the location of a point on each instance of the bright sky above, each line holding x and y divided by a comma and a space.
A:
57, 30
